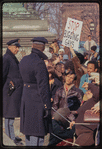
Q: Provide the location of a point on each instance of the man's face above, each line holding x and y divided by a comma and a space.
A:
14, 49
89, 94
69, 79
89, 38
91, 68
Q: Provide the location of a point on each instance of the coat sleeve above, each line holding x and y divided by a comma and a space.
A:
78, 70
56, 101
80, 96
6, 65
42, 78
82, 80
95, 91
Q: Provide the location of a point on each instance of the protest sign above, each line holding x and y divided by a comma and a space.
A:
72, 33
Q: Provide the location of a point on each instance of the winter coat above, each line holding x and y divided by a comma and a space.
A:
81, 129
78, 70
36, 95
72, 100
11, 104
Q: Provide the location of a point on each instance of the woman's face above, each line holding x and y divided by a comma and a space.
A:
58, 68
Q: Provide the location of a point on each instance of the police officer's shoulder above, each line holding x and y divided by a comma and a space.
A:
6, 57
40, 62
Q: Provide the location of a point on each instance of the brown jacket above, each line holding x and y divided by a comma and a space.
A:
71, 98
78, 70
87, 106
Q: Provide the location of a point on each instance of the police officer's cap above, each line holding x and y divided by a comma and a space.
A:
40, 40
14, 42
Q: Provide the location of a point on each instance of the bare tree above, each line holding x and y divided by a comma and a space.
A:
55, 18
51, 12
88, 16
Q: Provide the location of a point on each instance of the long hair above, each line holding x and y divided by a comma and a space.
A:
52, 71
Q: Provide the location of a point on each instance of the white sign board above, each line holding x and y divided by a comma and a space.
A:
72, 33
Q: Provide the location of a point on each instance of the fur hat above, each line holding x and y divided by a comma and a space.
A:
64, 112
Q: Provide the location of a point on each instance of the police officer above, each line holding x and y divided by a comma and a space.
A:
36, 104
12, 88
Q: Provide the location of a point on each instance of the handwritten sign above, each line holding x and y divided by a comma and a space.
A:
72, 33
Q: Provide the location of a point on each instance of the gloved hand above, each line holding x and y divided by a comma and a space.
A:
47, 113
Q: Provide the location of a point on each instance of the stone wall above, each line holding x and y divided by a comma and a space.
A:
23, 51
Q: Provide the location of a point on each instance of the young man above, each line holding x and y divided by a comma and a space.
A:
89, 43
68, 96
12, 89
95, 55
92, 66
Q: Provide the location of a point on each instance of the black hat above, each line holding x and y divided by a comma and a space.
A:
94, 48
89, 35
40, 40
14, 42
64, 112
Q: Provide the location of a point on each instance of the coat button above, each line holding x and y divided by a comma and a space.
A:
28, 85
24, 84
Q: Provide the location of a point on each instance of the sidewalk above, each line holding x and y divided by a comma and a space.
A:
8, 142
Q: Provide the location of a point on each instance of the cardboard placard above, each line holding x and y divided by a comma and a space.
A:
72, 33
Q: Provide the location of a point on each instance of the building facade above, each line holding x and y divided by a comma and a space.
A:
86, 12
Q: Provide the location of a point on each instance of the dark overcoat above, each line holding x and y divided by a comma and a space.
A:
57, 83
87, 106
83, 132
36, 95
11, 104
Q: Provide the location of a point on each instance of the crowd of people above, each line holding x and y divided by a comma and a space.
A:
56, 92
75, 73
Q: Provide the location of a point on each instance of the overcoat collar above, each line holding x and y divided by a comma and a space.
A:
72, 87
12, 55
39, 53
